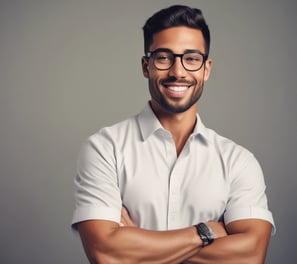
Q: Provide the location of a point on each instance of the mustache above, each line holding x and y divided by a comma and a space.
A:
175, 80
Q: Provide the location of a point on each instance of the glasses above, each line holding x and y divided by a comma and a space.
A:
164, 59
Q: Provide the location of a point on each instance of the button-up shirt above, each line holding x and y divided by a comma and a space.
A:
134, 164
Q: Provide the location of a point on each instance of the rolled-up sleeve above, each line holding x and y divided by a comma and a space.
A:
247, 198
97, 195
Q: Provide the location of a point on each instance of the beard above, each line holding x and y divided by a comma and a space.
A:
176, 108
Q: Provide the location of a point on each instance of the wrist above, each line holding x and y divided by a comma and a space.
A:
205, 233
197, 241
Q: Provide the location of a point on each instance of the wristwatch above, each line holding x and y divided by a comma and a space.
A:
206, 234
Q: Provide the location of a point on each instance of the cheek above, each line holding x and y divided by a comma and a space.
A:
199, 78
153, 83
154, 77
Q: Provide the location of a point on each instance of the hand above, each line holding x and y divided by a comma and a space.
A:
125, 218
218, 228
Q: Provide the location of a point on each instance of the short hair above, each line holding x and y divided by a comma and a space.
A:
174, 16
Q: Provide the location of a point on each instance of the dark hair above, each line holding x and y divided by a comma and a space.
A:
174, 16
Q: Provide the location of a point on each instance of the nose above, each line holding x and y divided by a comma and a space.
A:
177, 70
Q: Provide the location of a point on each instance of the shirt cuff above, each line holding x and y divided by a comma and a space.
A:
249, 213
95, 213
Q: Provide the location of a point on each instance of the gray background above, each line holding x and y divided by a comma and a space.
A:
70, 67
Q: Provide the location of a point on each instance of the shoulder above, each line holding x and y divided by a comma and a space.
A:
109, 140
106, 142
231, 153
223, 144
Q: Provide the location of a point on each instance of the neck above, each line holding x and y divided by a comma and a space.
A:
180, 125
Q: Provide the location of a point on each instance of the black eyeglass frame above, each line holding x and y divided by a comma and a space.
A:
204, 56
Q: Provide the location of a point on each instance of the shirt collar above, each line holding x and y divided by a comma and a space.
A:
149, 124
200, 129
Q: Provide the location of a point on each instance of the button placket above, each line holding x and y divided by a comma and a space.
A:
174, 200
175, 180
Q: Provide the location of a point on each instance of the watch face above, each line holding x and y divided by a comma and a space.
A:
205, 233
203, 228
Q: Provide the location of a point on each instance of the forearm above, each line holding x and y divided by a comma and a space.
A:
248, 246
135, 245
231, 249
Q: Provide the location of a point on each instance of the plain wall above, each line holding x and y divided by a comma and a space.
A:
68, 68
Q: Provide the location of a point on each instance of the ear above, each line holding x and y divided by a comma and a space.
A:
207, 69
145, 65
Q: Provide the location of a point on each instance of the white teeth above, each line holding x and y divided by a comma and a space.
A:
178, 88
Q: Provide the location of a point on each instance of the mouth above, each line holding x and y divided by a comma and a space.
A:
176, 91
177, 88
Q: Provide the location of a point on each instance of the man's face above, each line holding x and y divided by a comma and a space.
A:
176, 90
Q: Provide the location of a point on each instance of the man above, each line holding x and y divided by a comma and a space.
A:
160, 187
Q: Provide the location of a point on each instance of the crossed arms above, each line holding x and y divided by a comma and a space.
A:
242, 241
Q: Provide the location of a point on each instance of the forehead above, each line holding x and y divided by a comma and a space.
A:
178, 39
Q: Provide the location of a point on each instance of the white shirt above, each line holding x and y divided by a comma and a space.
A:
134, 163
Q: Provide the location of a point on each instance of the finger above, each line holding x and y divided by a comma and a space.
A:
124, 212
126, 220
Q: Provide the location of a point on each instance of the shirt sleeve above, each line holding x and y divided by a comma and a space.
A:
247, 198
97, 195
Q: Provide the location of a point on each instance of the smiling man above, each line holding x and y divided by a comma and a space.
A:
160, 187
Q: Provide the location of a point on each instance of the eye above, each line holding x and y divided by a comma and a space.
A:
193, 58
163, 57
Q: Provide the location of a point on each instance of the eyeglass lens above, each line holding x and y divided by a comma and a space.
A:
164, 60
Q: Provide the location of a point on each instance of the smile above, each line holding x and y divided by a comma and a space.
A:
177, 88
